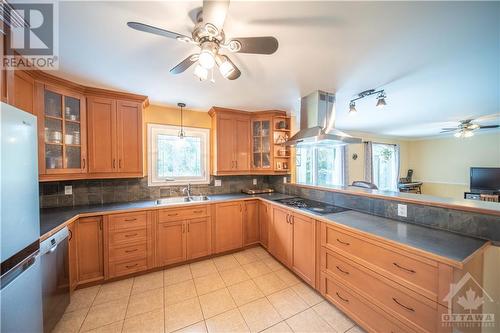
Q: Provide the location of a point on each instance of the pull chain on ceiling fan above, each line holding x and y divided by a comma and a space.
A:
208, 34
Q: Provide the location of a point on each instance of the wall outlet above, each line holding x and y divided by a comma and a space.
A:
284, 180
68, 190
218, 182
254, 181
401, 210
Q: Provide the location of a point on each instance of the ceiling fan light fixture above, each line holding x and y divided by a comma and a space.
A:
468, 134
201, 72
207, 55
226, 67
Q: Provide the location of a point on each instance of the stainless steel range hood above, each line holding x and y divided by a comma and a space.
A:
317, 122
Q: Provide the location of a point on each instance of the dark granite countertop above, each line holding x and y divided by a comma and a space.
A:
51, 218
439, 242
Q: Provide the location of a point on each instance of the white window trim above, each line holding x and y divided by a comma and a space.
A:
154, 129
315, 171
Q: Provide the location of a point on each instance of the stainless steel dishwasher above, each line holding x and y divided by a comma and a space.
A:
55, 278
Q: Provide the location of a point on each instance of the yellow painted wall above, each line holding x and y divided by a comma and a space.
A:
156, 114
444, 164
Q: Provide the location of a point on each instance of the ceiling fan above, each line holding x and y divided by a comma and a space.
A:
208, 34
466, 128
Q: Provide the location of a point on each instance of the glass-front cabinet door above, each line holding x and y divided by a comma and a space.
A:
64, 136
261, 144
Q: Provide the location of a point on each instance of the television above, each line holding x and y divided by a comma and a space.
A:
485, 179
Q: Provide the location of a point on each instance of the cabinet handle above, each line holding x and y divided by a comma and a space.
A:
131, 235
188, 227
341, 270
130, 266
342, 298
197, 211
291, 219
130, 251
70, 235
403, 268
83, 166
341, 242
114, 163
129, 220
236, 162
240, 208
120, 163
175, 214
402, 305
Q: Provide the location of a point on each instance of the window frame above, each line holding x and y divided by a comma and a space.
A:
152, 150
314, 169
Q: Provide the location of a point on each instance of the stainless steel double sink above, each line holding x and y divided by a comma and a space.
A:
177, 200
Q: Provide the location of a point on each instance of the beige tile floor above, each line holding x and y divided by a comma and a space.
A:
248, 291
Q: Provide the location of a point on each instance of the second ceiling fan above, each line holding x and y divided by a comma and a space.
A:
208, 35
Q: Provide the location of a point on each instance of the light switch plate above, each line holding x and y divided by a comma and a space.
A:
402, 210
284, 180
254, 181
68, 190
218, 182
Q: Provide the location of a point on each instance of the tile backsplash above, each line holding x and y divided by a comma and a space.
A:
87, 192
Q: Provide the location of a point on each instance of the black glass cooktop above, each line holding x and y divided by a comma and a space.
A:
312, 206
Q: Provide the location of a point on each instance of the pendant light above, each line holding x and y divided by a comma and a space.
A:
181, 134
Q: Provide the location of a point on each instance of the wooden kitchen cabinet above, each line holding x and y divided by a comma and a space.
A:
264, 220
281, 236
231, 141
22, 92
198, 238
89, 246
170, 243
228, 226
304, 247
72, 257
115, 137
251, 222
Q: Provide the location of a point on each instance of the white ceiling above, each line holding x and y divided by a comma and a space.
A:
438, 62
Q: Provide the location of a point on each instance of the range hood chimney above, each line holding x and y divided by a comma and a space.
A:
317, 122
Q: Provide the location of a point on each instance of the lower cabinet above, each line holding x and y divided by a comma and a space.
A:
264, 220
72, 258
89, 247
293, 242
251, 223
228, 226
178, 241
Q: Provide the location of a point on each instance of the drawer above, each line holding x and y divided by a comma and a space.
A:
127, 237
126, 221
175, 214
372, 318
121, 253
128, 267
407, 306
420, 273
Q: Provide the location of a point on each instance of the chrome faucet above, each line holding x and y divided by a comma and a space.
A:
187, 190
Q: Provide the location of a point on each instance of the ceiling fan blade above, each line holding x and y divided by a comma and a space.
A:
448, 130
214, 12
184, 64
195, 14
255, 45
157, 31
489, 126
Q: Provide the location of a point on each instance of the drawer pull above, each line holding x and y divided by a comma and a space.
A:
130, 266
342, 298
402, 305
130, 220
341, 270
197, 211
175, 214
341, 242
403, 268
130, 251
131, 235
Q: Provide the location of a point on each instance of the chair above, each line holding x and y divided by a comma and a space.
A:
363, 184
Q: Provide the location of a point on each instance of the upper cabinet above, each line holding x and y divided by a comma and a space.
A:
62, 131
246, 143
115, 137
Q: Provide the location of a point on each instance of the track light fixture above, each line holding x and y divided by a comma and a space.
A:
380, 99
